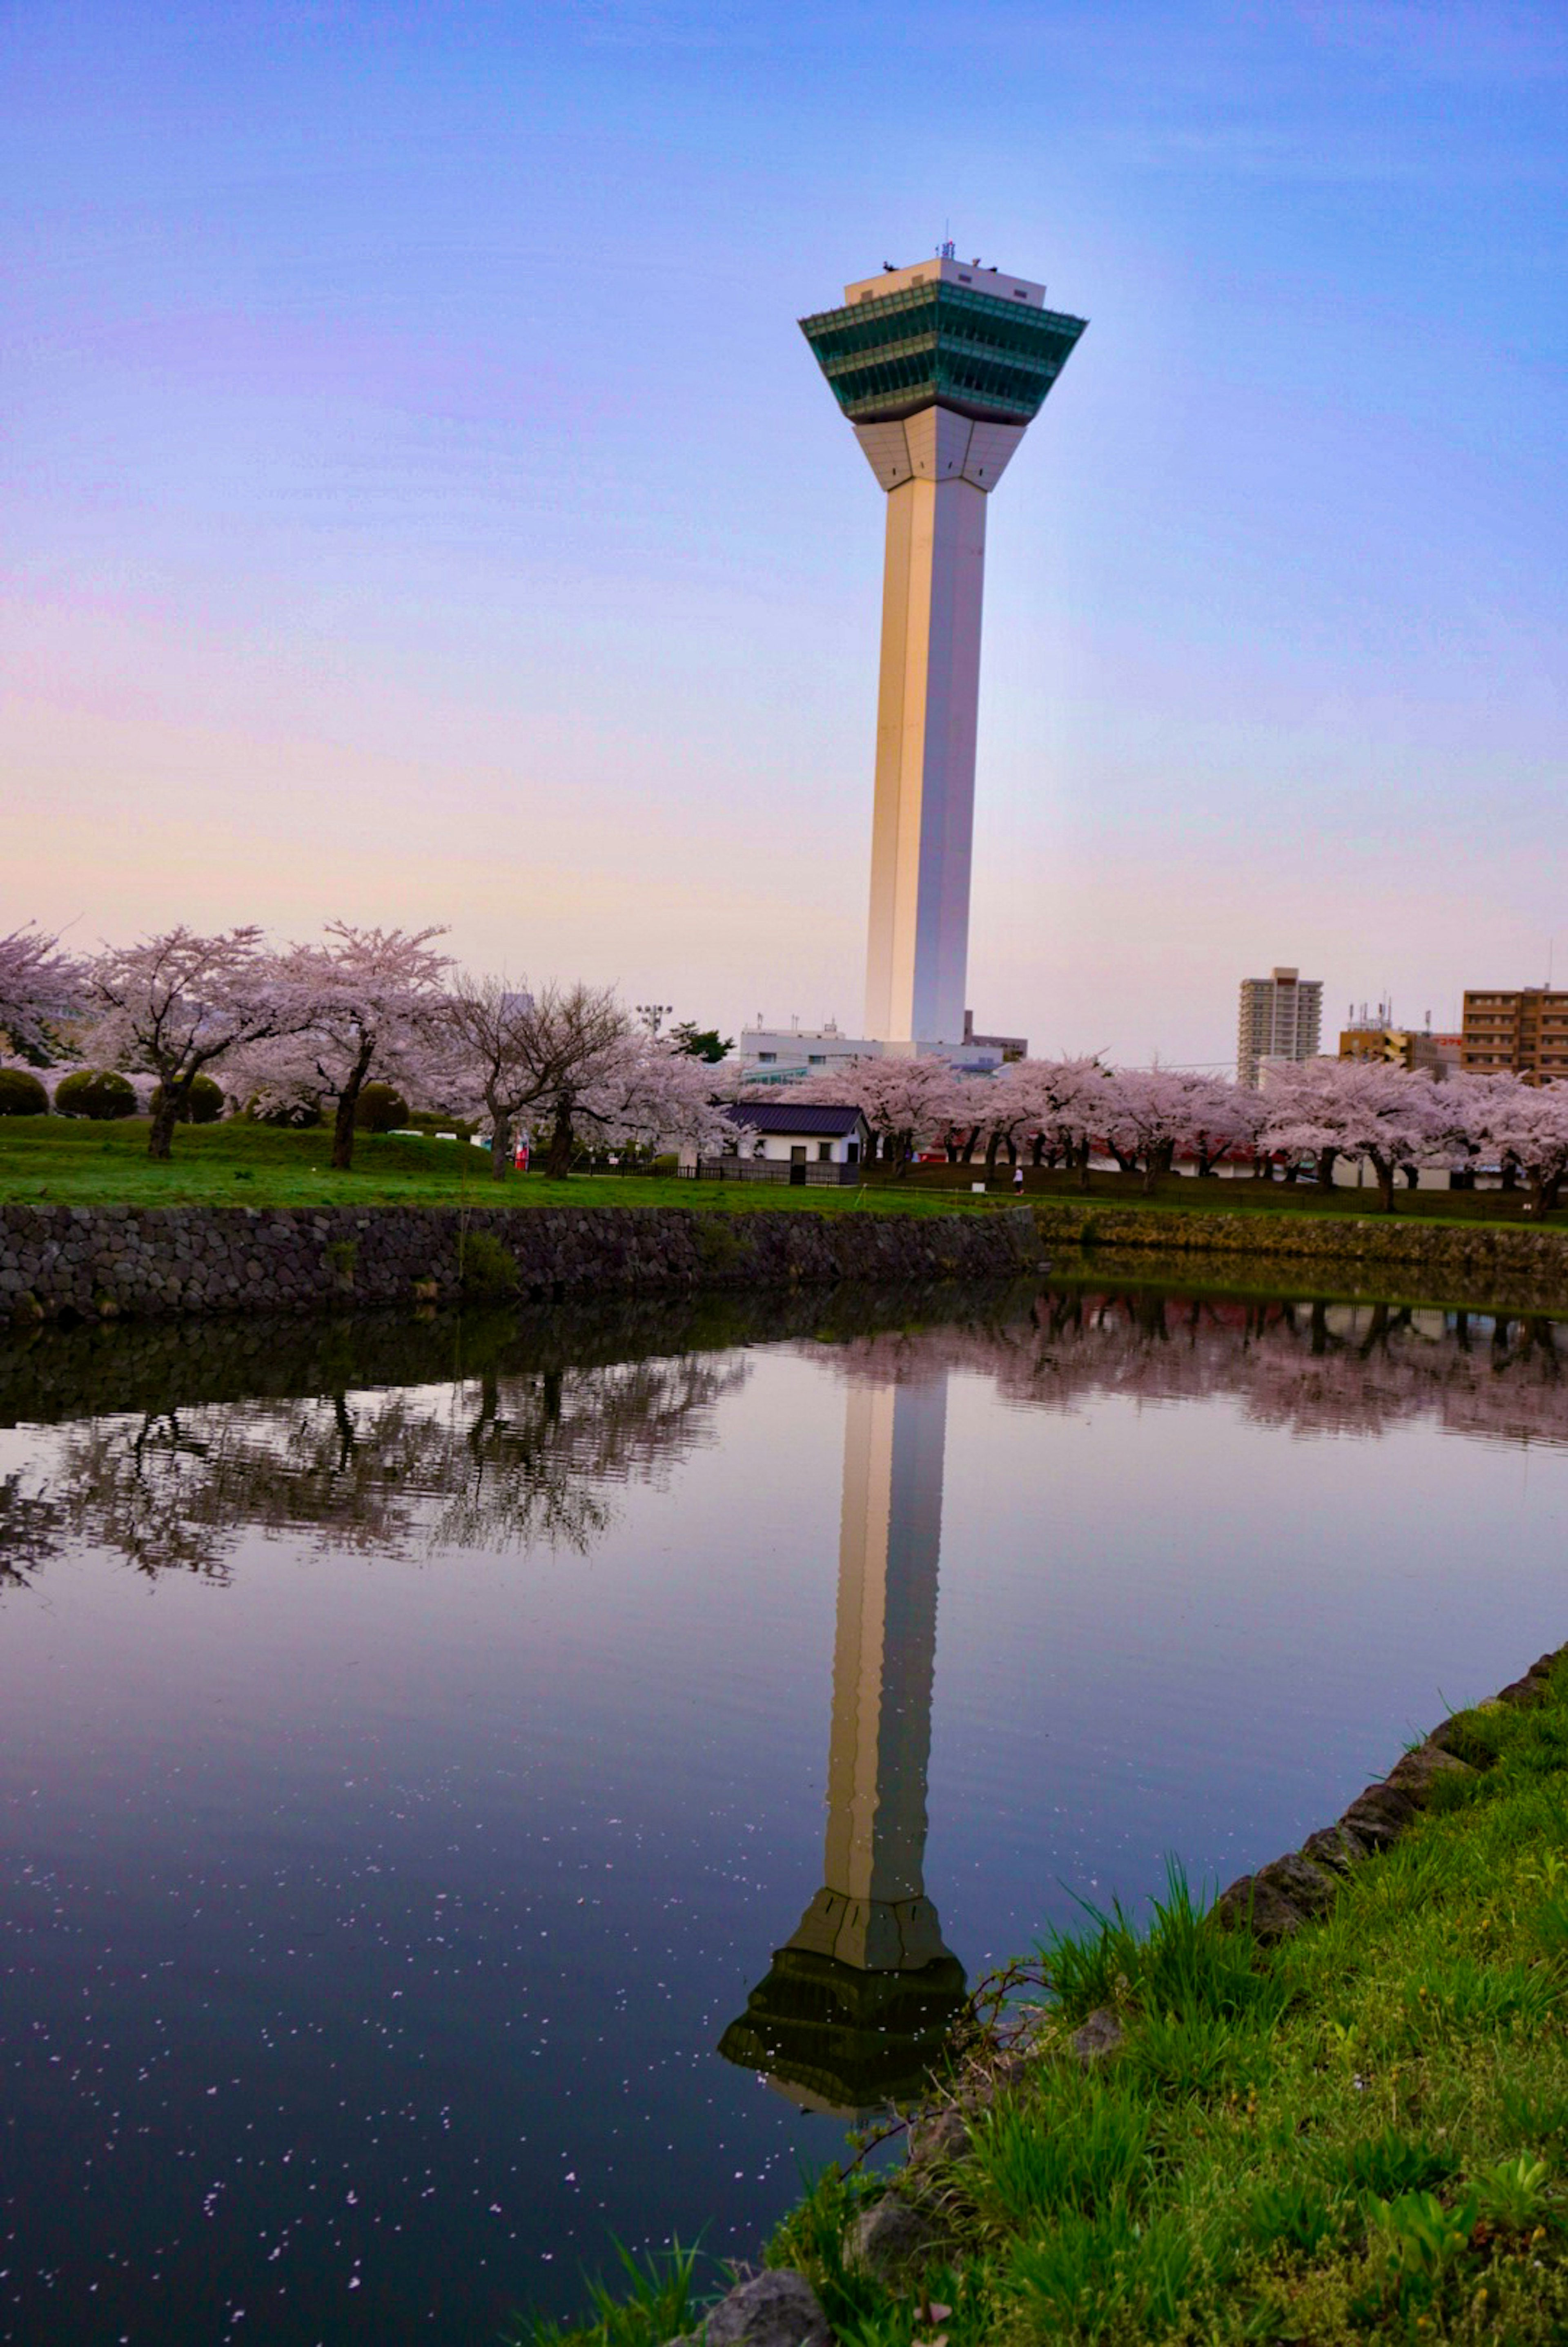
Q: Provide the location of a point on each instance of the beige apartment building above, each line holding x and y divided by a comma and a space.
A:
1394, 1047
1524, 1032
1280, 1018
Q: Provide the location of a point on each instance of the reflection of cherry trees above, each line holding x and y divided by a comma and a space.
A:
31, 1531
499, 1462
1311, 1367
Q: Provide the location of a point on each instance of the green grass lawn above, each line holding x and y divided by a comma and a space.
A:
61, 1160
1360, 2134
1184, 1193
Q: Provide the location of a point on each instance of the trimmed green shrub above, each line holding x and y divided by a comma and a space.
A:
205, 1106
22, 1094
379, 1108
96, 1092
487, 1267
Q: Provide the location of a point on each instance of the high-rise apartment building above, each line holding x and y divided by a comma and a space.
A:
1524, 1032
941, 368
1280, 1018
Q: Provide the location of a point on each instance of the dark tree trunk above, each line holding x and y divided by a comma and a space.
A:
971, 1145
1038, 1150
347, 1102
1511, 1172
993, 1150
343, 1133
1545, 1189
1384, 1172
563, 1141
1326, 1168
172, 1099
500, 1143
1083, 1158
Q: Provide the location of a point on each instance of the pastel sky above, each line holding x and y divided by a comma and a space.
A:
418, 503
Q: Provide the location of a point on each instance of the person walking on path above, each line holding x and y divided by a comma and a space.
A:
1018, 1179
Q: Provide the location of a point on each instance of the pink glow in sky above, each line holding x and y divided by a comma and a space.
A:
420, 504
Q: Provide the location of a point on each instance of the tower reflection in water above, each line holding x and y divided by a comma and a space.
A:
854, 2011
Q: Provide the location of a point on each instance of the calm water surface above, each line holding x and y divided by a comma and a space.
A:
466, 1793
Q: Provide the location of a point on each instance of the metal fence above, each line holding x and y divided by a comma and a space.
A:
811, 1174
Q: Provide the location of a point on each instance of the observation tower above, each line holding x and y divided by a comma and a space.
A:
941, 368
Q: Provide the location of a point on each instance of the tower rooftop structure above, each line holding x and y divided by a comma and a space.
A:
939, 367
966, 338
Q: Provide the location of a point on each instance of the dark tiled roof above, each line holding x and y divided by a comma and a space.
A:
793, 1116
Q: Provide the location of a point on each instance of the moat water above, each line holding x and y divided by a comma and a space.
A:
471, 1792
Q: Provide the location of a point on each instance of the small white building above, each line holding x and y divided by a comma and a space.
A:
800, 1133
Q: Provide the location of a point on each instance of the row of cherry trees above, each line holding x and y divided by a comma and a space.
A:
1068, 1110
311, 1025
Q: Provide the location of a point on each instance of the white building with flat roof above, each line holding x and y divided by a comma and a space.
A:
797, 1055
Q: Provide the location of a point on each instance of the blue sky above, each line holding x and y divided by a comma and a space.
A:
420, 505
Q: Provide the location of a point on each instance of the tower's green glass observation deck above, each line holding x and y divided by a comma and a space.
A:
941, 344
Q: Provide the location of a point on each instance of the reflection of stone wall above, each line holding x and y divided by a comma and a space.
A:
1525, 1268
49, 1372
100, 1262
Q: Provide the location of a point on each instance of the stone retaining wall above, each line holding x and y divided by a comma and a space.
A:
1527, 1269
104, 1261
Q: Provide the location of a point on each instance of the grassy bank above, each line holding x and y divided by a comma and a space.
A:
1184, 1193
1360, 2134
55, 1161
60, 1161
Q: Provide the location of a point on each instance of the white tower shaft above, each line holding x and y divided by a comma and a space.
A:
917, 956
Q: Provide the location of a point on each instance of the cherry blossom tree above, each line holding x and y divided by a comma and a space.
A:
1155, 1113
585, 1068
39, 985
903, 1102
485, 1026
372, 1010
574, 1051
1528, 1122
666, 1097
1392, 1119
1002, 1107
1068, 1098
180, 1005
